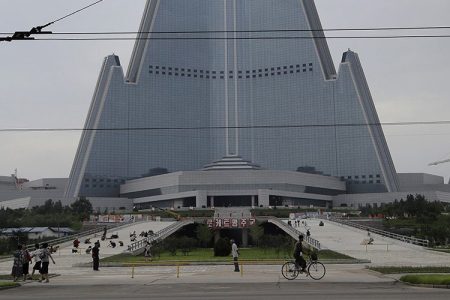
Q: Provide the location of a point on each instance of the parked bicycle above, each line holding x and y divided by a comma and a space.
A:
315, 269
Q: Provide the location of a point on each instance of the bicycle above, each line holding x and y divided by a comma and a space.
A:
315, 269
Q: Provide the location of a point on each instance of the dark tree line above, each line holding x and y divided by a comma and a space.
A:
51, 214
417, 215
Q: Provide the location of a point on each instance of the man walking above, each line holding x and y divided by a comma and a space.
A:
95, 257
45, 257
235, 254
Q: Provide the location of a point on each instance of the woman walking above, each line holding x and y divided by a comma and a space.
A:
17, 269
26, 263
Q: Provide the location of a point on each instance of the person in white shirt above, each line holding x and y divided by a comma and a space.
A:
37, 259
235, 254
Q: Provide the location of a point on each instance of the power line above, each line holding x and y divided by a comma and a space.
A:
250, 31
446, 122
77, 11
242, 38
26, 35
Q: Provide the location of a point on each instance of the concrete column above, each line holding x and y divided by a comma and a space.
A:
245, 237
253, 201
263, 196
216, 235
212, 201
201, 199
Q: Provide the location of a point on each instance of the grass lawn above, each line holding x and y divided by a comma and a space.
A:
8, 284
441, 250
35, 277
207, 255
403, 270
427, 279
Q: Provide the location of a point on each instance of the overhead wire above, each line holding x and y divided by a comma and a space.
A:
249, 31
416, 123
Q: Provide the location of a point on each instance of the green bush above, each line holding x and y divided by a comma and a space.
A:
222, 247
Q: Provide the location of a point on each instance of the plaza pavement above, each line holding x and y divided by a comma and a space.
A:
65, 259
385, 251
339, 238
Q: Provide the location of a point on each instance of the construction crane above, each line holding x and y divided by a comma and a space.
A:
439, 162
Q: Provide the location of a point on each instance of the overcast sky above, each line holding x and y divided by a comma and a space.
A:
50, 84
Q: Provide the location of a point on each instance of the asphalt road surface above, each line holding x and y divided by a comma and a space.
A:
247, 291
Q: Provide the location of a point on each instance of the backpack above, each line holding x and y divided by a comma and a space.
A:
43, 254
27, 256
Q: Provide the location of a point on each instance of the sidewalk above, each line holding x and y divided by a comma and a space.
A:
206, 274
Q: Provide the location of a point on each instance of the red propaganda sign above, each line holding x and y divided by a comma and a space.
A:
210, 223
230, 223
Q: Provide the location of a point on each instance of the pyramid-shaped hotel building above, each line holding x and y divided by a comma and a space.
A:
229, 86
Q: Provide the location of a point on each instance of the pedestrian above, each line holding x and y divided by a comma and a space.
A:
37, 260
26, 263
308, 233
235, 254
17, 269
96, 256
45, 256
97, 243
104, 233
147, 252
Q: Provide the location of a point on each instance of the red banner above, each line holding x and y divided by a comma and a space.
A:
230, 223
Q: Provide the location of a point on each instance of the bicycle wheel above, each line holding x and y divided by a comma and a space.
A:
289, 270
316, 270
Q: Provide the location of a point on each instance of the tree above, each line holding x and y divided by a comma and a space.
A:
82, 207
222, 247
256, 233
204, 235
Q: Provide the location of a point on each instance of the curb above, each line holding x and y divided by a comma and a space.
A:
174, 264
9, 287
430, 286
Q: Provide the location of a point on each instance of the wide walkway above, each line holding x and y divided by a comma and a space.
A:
65, 259
385, 251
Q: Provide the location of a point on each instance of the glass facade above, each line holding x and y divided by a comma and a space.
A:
234, 85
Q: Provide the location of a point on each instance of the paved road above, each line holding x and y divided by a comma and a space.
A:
248, 291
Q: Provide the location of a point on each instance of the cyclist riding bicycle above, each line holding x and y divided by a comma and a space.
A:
298, 254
